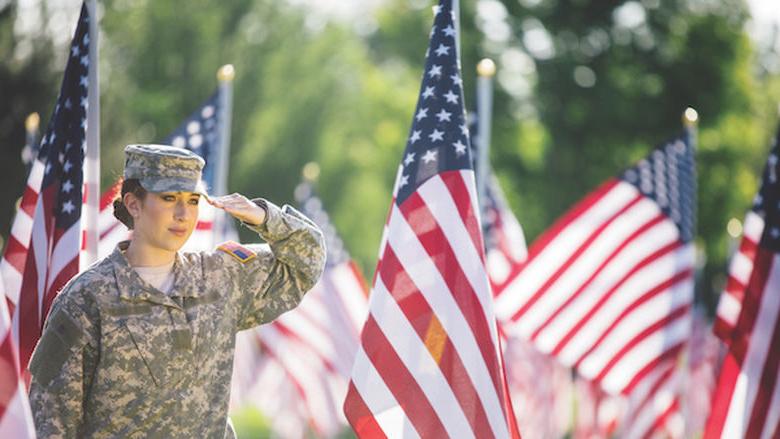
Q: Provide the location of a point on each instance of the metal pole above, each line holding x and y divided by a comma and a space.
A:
486, 69
225, 76
92, 158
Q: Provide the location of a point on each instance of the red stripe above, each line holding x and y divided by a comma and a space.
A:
453, 180
419, 314
753, 294
204, 225
768, 378
108, 197
436, 245
722, 400
574, 256
110, 228
662, 379
27, 310
29, 200
608, 294
670, 355
638, 232
748, 247
660, 422
358, 276
641, 336
359, 415
402, 384
15, 254
569, 217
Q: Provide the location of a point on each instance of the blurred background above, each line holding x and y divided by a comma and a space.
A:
583, 89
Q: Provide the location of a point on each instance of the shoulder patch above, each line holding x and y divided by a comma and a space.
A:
238, 251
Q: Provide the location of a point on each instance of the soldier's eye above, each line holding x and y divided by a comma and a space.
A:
168, 197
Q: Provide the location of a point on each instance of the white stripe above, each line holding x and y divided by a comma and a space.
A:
546, 263
741, 268
63, 253
428, 280
22, 227
109, 242
729, 308
438, 200
641, 318
12, 280
586, 264
655, 238
380, 402
17, 420
773, 414
660, 269
40, 245
743, 397
352, 292
753, 227
645, 352
417, 359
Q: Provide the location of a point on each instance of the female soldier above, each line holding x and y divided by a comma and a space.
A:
141, 344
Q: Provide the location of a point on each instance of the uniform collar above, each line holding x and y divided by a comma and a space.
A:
187, 279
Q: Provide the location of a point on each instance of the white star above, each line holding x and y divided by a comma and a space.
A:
429, 156
436, 135
464, 130
48, 168
443, 115
415, 136
84, 102
52, 137
68, 207
433, 30
61, 157
67, 166
404, 181
84, 124
83, 81
86, 39
460, 148
442, 50
68, 146
74, 51
422, 114
451, 97
456, 79
435, 71
85, 60
408, 159
67, 186
449, 30
68, 104
428, 92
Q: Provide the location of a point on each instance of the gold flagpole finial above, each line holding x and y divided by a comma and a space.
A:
486, 67
690, 118
32, 122
226, 73
311, 172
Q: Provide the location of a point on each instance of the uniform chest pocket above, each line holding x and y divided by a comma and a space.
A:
145, 341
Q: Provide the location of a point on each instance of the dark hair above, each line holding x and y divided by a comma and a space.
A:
121, 213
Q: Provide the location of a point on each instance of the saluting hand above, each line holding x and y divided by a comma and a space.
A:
240, 207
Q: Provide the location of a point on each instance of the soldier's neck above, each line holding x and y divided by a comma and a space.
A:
140, 255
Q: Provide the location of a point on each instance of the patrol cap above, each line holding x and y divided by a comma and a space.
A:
163, 168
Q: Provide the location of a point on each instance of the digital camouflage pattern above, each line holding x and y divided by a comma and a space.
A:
162, 168
120, 359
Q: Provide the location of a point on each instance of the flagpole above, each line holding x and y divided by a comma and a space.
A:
92, 157
486, 69
225, 76
456, 19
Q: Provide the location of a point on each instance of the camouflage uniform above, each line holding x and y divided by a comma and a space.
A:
119, 358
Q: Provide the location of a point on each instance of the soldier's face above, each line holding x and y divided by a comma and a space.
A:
166, 219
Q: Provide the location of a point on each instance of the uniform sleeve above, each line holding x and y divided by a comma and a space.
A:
62, 366
283, 271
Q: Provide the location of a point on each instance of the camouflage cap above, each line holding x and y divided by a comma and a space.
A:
163, 168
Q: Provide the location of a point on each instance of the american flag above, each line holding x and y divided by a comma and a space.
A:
199, 133
608, 289
43, 250
429, 363
315, 343
747, 399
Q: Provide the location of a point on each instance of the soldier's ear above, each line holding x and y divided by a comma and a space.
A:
133, 204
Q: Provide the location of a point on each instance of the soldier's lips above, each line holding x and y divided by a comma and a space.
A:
178, 232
